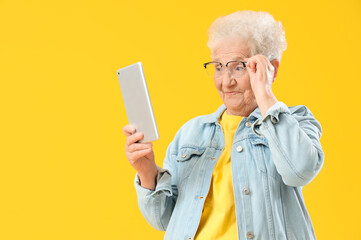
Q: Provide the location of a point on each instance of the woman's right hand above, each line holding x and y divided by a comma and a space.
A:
140, 156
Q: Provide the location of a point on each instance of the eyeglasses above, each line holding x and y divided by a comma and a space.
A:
215, 69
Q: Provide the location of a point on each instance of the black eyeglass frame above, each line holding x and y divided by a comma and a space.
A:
205, 64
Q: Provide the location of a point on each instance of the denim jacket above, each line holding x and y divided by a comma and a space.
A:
272, 158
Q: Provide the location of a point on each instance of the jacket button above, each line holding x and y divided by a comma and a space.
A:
273, 119
184, 155
218, 128
248, 124
250, 235
239, 149
245, 190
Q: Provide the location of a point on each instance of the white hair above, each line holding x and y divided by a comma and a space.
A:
262, 32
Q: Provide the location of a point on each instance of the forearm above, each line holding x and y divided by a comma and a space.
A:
265, 99
294, 143
157, 205
149, 179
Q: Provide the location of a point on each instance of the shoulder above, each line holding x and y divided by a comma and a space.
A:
302, 113
195, 132
305, 118
197, 121
300, 110
195, 125
297, 110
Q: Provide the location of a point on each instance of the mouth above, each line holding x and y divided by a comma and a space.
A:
231, 93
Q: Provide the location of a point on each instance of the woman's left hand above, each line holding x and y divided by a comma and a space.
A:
261, 73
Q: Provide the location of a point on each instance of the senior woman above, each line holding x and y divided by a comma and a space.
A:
237, 173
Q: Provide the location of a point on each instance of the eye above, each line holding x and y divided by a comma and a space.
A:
239, 67
218, 67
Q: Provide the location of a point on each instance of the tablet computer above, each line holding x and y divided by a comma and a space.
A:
137, 101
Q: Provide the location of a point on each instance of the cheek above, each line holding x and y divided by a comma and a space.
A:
245, 83
248, 84
218, 85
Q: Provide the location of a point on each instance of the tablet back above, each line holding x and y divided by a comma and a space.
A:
137, 101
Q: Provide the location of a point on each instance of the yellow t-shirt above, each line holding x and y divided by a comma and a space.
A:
218, 219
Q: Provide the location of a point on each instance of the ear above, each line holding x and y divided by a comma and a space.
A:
276, 64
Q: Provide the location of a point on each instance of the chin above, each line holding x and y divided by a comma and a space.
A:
235, 103
241, 106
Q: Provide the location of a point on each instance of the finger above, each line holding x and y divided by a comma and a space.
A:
248, 64
262, 62
134, 138
254, 65
269, 64
265, 63
248, 67
251, 64
128, 130
139, 146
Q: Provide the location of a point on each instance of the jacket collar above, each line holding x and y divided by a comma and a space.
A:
214, 117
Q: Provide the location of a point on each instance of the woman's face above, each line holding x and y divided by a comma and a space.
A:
236, 94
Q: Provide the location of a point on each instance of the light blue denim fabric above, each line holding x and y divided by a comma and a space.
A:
272, 159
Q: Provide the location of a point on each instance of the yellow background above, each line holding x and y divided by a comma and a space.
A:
63, 171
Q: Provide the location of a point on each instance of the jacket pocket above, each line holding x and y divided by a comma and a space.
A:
263, 157
186, 158
258, 145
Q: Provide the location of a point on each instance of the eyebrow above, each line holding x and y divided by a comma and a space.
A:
233, 59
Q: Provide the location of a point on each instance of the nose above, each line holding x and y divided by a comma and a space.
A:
227, 78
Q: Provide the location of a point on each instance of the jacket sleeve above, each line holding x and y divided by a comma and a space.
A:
293, 136
157, 205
